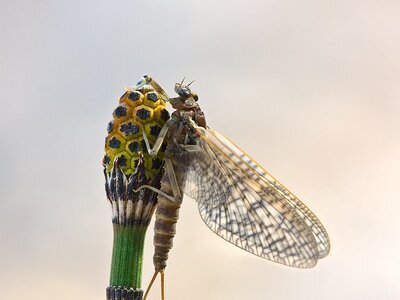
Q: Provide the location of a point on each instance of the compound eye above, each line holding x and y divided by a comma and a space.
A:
177, 88
184, 92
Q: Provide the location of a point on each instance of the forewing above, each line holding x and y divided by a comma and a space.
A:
252, 210
265, 181
203, 179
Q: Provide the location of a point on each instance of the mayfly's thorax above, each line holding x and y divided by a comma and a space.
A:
181, 132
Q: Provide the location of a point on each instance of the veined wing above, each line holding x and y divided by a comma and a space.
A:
245, 205
200, 177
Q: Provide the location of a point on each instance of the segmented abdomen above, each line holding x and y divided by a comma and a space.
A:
167, 215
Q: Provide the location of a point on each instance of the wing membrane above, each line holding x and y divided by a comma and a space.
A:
204, 180
245, 205
266, 181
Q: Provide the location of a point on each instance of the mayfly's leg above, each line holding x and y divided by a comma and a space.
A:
157, 87
148, 80
169, 170
199, 129
146, 186
192, 148
160, 139
170, 173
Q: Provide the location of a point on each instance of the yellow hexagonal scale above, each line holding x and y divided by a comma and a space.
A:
143, 113
138, 110
161, 114
133, 98
152, 130
151, 99
115, 144
122, 112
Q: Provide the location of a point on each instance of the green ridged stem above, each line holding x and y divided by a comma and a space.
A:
127, 256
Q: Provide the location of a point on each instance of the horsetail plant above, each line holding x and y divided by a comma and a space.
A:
127, 166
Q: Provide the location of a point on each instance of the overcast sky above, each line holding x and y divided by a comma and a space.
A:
309, 88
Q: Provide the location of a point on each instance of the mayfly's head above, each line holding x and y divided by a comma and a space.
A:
184, 91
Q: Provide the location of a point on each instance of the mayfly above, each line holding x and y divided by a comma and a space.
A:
237, 198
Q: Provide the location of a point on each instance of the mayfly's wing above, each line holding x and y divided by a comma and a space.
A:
252, 210
200, 177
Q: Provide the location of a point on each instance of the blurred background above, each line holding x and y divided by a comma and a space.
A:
309, 88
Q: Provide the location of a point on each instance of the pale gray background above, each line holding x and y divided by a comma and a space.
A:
309, 88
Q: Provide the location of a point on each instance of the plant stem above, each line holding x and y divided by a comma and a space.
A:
132, 212
127, 257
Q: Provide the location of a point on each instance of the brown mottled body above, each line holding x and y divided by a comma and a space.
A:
167, 212
167, 215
